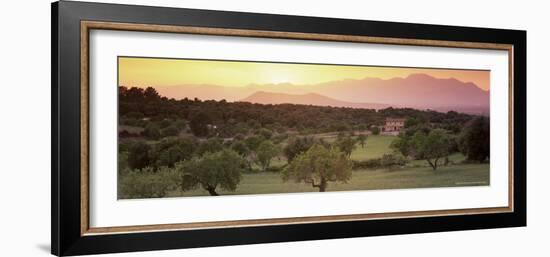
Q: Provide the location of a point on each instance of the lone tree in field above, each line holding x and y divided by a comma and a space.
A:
347, 145
221, 169
318, 166
474, 139
362, 140
432, 146
241, 148
265, 152
404, 141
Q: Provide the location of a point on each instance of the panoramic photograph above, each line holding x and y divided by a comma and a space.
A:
193, 127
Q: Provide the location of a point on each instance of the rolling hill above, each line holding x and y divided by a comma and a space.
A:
262, 97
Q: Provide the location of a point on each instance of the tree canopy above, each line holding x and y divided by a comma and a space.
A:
347, 145
169, 151
211, 171
362, 140
432, 146
297, 145
147, 183
265, 152
138, 156
474, 139
232, 118
199, 124
318, 166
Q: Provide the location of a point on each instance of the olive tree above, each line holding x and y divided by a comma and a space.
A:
362, 140
253, 142
318, 166
296, 146
265, 152
169, 151
212, 145
346, 145
241, 148
432, 146
212, 170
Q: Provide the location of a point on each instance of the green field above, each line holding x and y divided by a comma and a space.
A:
416, 174
375, 147
409, 177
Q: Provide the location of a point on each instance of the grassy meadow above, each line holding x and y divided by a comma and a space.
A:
416, 174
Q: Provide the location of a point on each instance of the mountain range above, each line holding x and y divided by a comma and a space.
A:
419, 91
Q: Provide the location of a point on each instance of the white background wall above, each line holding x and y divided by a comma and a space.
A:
25, 127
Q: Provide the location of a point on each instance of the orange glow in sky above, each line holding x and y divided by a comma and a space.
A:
141, 72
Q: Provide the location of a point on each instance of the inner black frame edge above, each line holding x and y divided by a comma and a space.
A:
66, 238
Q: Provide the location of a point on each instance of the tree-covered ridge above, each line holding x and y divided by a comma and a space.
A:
232, 118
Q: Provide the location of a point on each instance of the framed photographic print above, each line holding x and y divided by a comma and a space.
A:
177, 128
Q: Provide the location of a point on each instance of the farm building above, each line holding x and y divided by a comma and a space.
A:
393, 126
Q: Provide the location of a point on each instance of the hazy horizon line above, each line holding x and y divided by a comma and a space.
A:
307, 85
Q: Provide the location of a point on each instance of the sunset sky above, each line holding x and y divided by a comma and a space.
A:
143, 72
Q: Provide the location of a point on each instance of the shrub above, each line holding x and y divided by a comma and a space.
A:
129, 121
180, 124
165, 123
392, 161
146, 183
134, 115
212, 145
152, 131
367, 164
240, 147
170, 131
139, 155
277, 139
265, 133
275, 168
